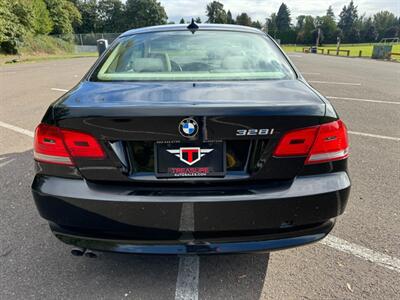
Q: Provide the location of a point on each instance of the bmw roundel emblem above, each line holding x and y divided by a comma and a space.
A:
188, 127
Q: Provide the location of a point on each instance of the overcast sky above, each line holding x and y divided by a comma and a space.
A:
260, 9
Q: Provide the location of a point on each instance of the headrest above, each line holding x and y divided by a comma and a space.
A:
149, 64
235, 63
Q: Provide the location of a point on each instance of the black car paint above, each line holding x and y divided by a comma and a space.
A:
117, 218
100, 205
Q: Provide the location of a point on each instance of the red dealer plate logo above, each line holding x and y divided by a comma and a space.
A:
190, 155
174, 159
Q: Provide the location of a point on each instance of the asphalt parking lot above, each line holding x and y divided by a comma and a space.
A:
359, 260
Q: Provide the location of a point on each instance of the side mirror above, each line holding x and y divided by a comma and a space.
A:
102, 45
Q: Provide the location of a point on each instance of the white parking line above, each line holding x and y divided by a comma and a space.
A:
375, 136
363, 100
187, 217
2, 164
380, 259
338, 83
59, 90
294, 55
310, 73
17, 129
187, 283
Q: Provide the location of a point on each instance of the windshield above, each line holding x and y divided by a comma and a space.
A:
205, 55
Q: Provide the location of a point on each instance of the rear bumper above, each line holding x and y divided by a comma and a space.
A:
119, 219
215, 246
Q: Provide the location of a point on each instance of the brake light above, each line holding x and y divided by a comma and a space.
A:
82, 144
60, 146
323, 143
296, 142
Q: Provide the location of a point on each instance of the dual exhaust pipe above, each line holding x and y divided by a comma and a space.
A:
83, 252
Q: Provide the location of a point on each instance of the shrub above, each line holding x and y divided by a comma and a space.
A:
11, 29
44, 44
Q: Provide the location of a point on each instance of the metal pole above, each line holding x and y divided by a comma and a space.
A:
318, 37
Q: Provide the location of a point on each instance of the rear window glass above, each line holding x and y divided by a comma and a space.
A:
205, 55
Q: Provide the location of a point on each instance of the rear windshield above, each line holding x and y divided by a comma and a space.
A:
205, 55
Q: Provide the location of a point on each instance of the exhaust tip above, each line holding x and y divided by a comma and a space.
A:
77, 252
90, 254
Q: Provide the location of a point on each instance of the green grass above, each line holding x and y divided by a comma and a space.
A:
290, 48
366, 49
39, 48
5, 59
44, 44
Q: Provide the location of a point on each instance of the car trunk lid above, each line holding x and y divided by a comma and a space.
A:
128, 117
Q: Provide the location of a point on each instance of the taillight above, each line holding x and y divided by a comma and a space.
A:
82, 144
49, 146
296, 142
323, 143
60, 146
332, 143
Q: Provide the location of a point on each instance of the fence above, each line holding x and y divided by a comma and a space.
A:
86, 42
88, 39
337, 51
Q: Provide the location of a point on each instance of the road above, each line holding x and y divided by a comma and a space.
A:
360, 260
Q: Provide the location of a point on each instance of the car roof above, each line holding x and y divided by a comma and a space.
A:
202, 26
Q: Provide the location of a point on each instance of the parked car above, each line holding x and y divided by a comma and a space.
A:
198, 139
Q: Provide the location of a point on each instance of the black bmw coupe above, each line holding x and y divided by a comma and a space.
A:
198, 139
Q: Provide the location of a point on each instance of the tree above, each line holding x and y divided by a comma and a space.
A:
393, 31
90, 17
11, 30
271, 28
216, 13
383, 21
64, 15
284, 31
300, 22
328, 26
243, 19
306, 35
182, 21
110, 14
330, 13
42, 23
229, 19
23, 10
283, 18
368, 31
348, 23
33, 16
198, 20
256, 24
141, 13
